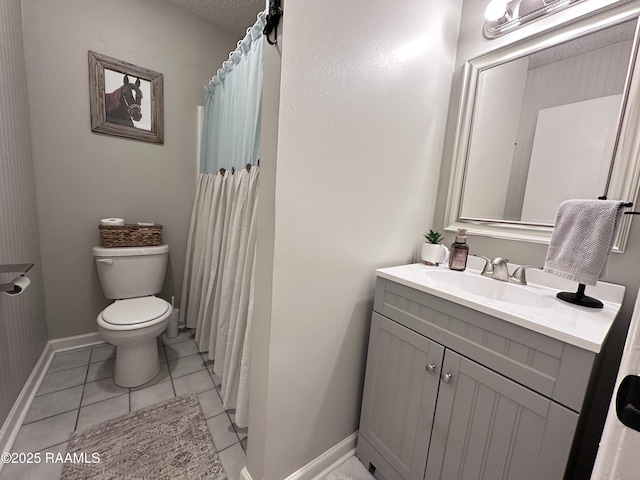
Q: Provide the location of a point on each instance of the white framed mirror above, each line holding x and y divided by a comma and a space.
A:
546, 119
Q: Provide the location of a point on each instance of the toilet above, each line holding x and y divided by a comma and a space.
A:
132, 276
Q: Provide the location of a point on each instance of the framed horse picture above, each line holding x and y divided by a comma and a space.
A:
125, 100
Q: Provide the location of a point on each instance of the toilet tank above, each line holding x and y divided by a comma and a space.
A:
130, 272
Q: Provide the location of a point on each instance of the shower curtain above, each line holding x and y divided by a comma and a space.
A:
217, 289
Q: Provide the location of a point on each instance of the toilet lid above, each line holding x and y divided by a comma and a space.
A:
135, 310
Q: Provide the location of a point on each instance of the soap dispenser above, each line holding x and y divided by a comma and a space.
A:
459, 252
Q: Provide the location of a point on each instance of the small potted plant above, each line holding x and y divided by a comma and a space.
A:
433, 252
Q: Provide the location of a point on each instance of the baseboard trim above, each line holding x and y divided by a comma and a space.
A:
244, 474
16, 416
70, 343
337, 455
326, 462
14, 420
320, 466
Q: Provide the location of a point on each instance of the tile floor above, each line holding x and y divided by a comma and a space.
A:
78, 391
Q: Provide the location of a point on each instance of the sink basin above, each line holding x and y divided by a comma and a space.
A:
487, 289
533, 306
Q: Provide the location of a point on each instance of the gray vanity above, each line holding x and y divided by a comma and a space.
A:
468, 377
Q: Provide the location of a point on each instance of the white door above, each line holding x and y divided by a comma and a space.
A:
618, 454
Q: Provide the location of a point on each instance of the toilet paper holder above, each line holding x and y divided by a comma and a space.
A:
20, 269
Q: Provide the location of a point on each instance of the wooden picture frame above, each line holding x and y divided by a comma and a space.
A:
125, 100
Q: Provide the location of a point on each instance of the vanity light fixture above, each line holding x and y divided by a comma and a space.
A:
496, 11
504, 16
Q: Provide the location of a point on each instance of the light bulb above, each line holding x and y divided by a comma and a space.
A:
495, 10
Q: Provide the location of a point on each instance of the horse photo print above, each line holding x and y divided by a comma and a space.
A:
125, 100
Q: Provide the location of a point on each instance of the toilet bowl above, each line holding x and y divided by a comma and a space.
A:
133, 326
132, 276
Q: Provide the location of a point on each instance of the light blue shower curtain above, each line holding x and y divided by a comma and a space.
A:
231, 124
217, 289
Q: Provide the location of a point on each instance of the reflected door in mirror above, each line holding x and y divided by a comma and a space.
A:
544, 127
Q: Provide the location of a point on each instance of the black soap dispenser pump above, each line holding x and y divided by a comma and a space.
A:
459, 252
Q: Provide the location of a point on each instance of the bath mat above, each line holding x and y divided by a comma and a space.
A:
169, 440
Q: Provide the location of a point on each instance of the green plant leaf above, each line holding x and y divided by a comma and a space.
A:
433, 237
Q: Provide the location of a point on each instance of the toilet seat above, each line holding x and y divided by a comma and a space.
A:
132, 313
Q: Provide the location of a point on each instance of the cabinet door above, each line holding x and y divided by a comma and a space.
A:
489, 427
401, 385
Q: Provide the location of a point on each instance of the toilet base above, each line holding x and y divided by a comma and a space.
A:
137, 359
136, 363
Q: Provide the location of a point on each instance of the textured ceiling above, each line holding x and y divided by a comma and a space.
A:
234, 16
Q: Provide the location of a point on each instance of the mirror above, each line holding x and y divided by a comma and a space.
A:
542, 121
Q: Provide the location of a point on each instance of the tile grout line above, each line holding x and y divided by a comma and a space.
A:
50, 416
84, 386
105, 399
175, 394
54, 445
226, 448
68, 353
233, 425
209, 369
190, 373
59, 390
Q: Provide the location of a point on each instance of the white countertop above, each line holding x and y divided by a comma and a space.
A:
583, 327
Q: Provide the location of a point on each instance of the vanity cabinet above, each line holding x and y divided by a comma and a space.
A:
401, 388
451, 392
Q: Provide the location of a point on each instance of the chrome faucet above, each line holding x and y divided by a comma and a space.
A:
498, 270
519, 276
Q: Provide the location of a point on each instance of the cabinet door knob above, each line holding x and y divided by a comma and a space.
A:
431, 368
446, 377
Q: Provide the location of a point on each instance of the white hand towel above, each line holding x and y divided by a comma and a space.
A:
582, 239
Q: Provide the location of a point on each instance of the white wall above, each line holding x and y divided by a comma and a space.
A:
23, 331
362, 107
622, 267
83, 176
